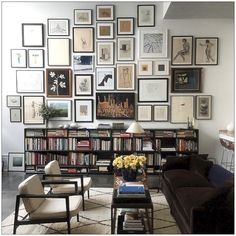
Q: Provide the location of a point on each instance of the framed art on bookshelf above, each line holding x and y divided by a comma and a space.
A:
83, 84
145, 67
105, 30
18, 58
83, 16
105, 12
161, 67
125, 49
105, 53
203, 107
58, 27
125, 79
15, 115
125, 26
161, 113
146, 15
83, 63
13, 101
16, 161
105, 78
36, 58
144, 112
83, 110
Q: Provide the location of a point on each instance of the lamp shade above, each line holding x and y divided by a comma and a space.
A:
135, 128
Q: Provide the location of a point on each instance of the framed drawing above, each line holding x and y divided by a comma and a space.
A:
181, 50
105, 78
125, 26
83, 17
83, 85
18, 58
84, 110
15, 115
105, 30
16, 161
203, 107
36, 58
83, 63
144, 113
206, 51
145, 68
105, 53
125, 79
125, 49
115, 106
13, 101
161, 67
58, 27
161, 113
105, 12
153, 90
146, 15
186, 80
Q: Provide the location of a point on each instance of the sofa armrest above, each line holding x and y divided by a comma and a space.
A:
176, 163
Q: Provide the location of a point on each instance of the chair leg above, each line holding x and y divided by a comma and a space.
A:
68, 225
16, 214
78, 217
83, 201
88, 193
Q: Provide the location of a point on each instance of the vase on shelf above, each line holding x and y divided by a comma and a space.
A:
46, 122
129, 174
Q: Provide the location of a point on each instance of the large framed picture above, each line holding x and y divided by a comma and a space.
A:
125, 49
105, 12
36, 58
83, 84
105, 30
15, 115
146, 15
144, 113
161, 67
125, 26
16, 161
58, 27
105, 78
13, 101
105, 53
83, 110
145, 68
203, 107
83, 63
161, 113
83, 16
18, 58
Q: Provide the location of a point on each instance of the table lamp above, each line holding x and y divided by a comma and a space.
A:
135, 128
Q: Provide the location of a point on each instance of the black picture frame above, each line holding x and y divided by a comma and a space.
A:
61, 27
83, 84
204, 107
105, 12
105, 30
146, 19
15, 115
83, 17
125, 26
83, 110
13, 101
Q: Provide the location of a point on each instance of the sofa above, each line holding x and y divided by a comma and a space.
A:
200, 195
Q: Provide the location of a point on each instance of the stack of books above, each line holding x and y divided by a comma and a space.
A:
133, 221
131, 190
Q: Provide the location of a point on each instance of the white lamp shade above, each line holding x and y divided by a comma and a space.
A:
135, 128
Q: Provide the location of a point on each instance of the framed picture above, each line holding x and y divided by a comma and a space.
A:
161, 113
182, 109
105, 30
105, 53
125, 79
29, 81
15, 115
125, 26
83, 85
105, 78
115, 106
145, 68
144, 113
105, 12
84, 110
186, 80
203, 107
83, 63
13, 101
58, 51
18, 58
58, 82
16, 161
83, 17
161, 67
36, 58
31, 106
153, 90
146, 15
83, 39
125, 49
58, 27
153, 44
206, 51
181, 50
32, 35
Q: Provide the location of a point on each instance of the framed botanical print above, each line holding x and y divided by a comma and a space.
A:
13, 101
105, 53
15, 115
144, 113
146, 15
125, 79
83, 110
83, 63
145, 68
105, 30
125, 49
105, 12
36, 58
58, 27
161, 113
83, 84
161, 67
83, 16
105, 78
125, 26
18, 58
203, 107
16, 161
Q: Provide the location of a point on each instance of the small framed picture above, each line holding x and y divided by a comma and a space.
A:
84, 110
83, 17
125, 79
145, 68
105, 78
36, 58
144, 113
13, 101
16, 161
125, 49
15, 115
161, 113
125, 26
58, 27
83, 63
146, 15
18, 58
105, 53
105, 12
203, 107
161, 67
105, 30
83, 84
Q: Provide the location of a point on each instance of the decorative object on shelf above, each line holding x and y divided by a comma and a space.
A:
230, 128
47, 112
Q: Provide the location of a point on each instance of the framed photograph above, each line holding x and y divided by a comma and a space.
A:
144, 113
153, 90
105, 30
18, 58
203, 107
58, 51
105, 78
105, 12
58, 27
181, 50
32, 35
36, 58
13, 101
115, 106
83, 39
161, 67
83, 63
161, 113
84, 110
146, 15
16, 161
145, 68
15, 115
105, 53
29, 81
125, 49
182, 109
83, 85
125, 26
186, 80
153, 43
206, 51
125, 79
58, 83
83, 17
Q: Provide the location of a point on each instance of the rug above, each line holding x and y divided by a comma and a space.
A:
96, 219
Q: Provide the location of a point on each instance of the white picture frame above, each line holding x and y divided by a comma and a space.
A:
125, 76
58, 27
161, 113
105, 30
105, 78
144, 113
13, 101
125, 49
83, 110
144, 68
15, 115
16, 161
36, 58
18, 58
161, 67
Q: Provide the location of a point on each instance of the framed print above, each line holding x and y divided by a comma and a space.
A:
32, 35
58, 27
115, 106
186, 80
125, 26
203, 107
58, 82
181, 50
13, 101
105, 53
161, 67
146, 15
145, 68
18, 58
125, 79
105, 30
59, 52
83, 16
153, 43
83, 85
105, 78
206, 51
83, 63
16, 161
105, 12
161, 113
182, 109
84, 110
153, 90
144, 113
15, 115
29, 81
83, 39
36, 58
125, 49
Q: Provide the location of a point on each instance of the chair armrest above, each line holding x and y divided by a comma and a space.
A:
42, 196
63, 175
48, 182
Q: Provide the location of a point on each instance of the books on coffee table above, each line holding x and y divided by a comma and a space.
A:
131, 190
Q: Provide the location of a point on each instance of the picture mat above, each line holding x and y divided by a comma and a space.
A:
83, 85
161, 113
144, 113
83, 110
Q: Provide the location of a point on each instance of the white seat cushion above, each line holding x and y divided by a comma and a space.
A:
53, 168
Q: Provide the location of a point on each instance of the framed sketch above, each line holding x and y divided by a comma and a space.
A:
58, 83
84, 110
186, 80
36, 58
144, 113
13, 101
125, 49
18, 58
182, 108
83, 17
161, 113
146, 15
16, 161
15, 115
105, 53
206, 51
105, 30
125, 26
105, 78
83, 63
115, 106
125, 79
181, 50
203, 107
145, 68
105, 12
83, 84
161, 67
32, 35
58, 27
153, 90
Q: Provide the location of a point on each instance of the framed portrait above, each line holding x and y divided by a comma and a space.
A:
153, 90
105, 12
32, 35
13, 101
186, 80
161, 113
18, 58
105, 78
125, 26
15, 115
83, 63
161, 67
84, 110
115, 106
58, 83
83, 17
203, 107
105, 53
36, 58
125, 79
83, 84
181, 50
146, 15
206, 51
145, 68
16, 161
125, 49
58, 27
105, 30
182, 108
144, 113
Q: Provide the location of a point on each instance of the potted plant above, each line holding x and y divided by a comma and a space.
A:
47, 112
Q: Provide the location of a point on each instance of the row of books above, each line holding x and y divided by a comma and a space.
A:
35, 133
78, 133
60, 144
35, 144
186, 145
57, 133
133, 221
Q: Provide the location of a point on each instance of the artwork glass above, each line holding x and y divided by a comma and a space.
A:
63, 109
125, 77
125, 26
105, 78
84, 110
204, 107
145, 67
15, 115
160, 113
13, 101
144, 113
83, 85
105, 12
146, 15
105, 53
125, 49
161, 67
18, 58
82, 16
16, 161
36, 58
58, 27
83, 63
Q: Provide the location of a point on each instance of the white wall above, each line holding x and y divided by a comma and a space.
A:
217, 81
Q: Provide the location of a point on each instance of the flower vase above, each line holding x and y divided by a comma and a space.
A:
129, 174
46, 122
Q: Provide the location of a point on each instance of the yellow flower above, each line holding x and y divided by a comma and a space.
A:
129, 161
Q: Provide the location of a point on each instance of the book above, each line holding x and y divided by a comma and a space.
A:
131, 189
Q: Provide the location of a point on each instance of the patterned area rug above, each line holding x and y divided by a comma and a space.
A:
96, 219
